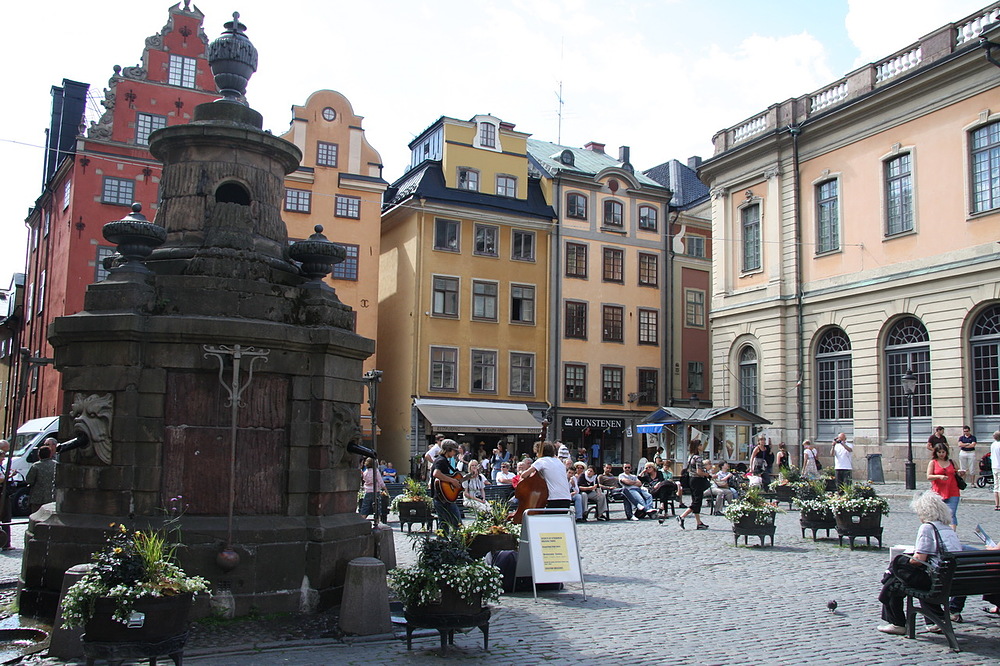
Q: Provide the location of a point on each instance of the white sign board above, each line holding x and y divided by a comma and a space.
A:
548, 549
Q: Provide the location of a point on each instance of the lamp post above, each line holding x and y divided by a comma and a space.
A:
372, 379
909, 384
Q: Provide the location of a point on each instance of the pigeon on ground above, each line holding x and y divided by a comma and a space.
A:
832, 605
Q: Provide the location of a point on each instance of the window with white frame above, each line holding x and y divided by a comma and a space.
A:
750, 222
347, 207
326, 154
446, 235
348, 268
67, 190
576, 206
986, 168
647, 218
828, 216
522, 304
748, 379
484, 371
648, 269
522, 373
118, 191
649, 326
507, 186
468, 179
484, 300
522, 245
444, 296
694, 308
40, 301
298, 201
899, 194
444, 368
576, 260
486, 240
181, 71
575, 382
146, 124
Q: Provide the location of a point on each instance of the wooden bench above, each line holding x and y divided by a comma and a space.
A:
963, 574
499, 492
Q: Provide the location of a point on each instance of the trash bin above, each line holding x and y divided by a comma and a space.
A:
875, 474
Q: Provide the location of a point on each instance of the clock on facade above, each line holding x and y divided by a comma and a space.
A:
329, 114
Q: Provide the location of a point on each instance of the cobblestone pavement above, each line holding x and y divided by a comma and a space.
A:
655, 591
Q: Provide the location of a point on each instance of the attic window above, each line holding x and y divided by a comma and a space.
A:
566, 157
232, 192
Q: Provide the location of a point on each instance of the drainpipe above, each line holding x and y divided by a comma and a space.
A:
668, 304
419, 327
795, 131
555, 315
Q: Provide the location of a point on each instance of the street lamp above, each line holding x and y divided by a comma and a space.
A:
372, 379
909, 384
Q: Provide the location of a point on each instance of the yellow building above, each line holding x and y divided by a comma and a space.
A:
856, 231
339, 186
464, 292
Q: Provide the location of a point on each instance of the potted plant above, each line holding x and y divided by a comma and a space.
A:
413, 505
134, 594
751, 515
812, 500
446, 580
783, 486
858, 511
491, 530
829, 476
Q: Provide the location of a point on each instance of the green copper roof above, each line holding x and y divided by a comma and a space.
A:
547, 155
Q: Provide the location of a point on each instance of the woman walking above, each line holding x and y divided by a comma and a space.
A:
943, 475
809, 468
699, 481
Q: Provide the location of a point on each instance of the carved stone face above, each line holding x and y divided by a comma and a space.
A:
346, 429
92, 416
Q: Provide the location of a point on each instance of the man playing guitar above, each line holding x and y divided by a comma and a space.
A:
443, 472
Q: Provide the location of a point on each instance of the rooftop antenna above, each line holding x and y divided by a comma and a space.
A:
559, 97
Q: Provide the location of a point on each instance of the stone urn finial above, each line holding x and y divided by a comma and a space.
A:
233, 60
317, 255
135, 237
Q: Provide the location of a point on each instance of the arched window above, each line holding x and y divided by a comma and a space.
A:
907, 347
985, 339
748, 379
834, 385
576, 205
613, 211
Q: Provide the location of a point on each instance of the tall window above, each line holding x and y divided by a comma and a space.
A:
834, 385
648, 269
486, 240
468, 179
576, 260
326, 154
613, 323
827, 217
484, 300
649, 327
118, 191
522, 304
576, 206
694, 246
986, 168
347, 207
648, 387
613, 213
647, 218
348, 268
750, 217
985, 339
146, 124
181, 71
899, 195
484, 371
576, 320
522, 373
522, 245
612, 378
487, 135
694, 308
614, 269
696, 376
103, 252
575, 383
506, 186
444, 368
907, 346
446, 235
748, 379
445, 296
298, 201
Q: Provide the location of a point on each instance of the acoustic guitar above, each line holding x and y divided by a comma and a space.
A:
447, 492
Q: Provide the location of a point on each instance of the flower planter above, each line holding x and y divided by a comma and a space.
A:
784, 494
157, 626
453, 612
482, 544
816, 520
854, 524
831, 485
760, 526
415, 512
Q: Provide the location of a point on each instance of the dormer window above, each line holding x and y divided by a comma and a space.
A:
487, 135
566, 157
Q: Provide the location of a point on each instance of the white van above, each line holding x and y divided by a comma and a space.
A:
29, 436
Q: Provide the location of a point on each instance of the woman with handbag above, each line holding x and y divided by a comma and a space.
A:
810, 470
946, 480
699, 480
933, 537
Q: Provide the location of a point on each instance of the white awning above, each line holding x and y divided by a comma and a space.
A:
468, 416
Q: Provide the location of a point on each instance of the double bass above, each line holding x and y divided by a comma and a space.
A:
533, 492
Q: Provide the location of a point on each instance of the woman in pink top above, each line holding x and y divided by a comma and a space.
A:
942, 474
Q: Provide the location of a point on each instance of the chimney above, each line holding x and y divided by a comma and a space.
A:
694, 162
623, 156
596, 147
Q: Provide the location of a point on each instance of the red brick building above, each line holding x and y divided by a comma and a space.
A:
93, 176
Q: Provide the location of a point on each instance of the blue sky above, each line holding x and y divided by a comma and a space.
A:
661, 76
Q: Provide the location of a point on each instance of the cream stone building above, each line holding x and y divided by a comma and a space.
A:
856, 232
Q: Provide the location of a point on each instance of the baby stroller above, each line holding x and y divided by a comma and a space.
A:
985, 472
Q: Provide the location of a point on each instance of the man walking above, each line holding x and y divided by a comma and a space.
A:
843, 463
995, 461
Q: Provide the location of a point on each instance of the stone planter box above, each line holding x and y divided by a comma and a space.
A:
753, 526
815, 521
483, 544
853, 525
415, 512
158, 626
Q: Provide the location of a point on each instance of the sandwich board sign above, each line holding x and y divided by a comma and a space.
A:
548, 550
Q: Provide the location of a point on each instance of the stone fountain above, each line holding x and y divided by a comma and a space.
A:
214, 374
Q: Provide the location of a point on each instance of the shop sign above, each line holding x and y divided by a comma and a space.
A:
580, 422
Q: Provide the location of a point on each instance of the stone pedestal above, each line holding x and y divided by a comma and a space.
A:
364, 610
